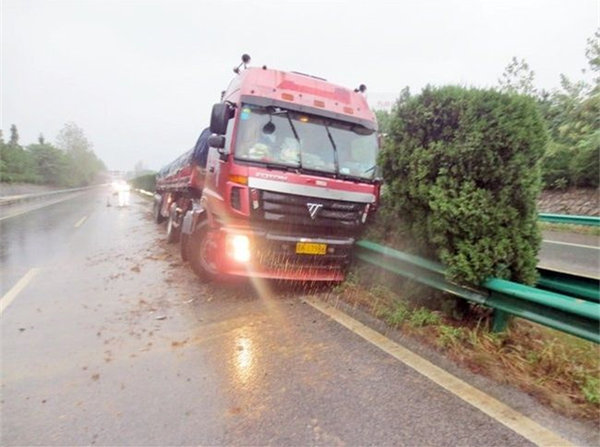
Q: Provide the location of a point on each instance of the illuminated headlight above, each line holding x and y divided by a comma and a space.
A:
365, 214
238, 247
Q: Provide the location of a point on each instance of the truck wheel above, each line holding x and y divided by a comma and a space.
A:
202, 252
173, 228
158, 218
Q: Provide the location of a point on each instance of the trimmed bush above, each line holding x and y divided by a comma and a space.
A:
462, 170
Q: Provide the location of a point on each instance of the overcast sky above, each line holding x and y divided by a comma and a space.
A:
140, 76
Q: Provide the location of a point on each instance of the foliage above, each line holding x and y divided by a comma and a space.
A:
72, 164
517, 78
592, 53
146, 182
450, 336
14, 136
572, 114
383, 121
573, 117
462, 169
556, 172
591, 389
554, 367
585, 166
82, 162
398, 314
424, 317
50, 164
15, 163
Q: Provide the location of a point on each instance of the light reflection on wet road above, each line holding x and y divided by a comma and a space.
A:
34, 238
116, 342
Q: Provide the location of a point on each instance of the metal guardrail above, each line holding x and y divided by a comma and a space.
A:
583, 287
565, 313
10, 200
593, 221
144, 192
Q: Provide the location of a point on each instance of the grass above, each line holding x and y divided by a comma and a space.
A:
423, 317
562, 371
566, 228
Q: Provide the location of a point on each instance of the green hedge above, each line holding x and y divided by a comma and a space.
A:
146, 182
462, 172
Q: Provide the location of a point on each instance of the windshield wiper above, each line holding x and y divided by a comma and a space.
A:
283, 166
372, 168
287, 115
336, 162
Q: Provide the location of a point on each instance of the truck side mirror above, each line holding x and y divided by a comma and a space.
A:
221, 113
217, 141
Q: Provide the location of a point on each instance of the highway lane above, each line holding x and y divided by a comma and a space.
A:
115, 342
569, 252
30, 239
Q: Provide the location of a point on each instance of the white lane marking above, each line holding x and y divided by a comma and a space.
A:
17, 288
497, 410
43, 205
80, 221
571, 244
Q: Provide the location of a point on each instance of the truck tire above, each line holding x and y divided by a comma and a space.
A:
202, 252
173, 227
158, 218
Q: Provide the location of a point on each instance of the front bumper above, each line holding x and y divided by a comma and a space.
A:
274, 256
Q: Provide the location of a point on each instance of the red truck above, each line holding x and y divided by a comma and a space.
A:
282, 183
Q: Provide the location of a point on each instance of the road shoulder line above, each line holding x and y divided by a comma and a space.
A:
17, 288
570, 244
80, 221
497, 410
27, 209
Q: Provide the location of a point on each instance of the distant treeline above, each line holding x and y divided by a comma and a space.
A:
571, 115
463, 169
69, 163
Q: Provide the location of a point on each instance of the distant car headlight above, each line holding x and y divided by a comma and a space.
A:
121, 186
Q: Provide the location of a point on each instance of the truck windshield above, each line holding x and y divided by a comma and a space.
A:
275, 136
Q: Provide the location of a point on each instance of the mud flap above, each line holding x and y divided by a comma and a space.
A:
191, 219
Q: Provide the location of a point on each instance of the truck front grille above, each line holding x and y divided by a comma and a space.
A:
302, 211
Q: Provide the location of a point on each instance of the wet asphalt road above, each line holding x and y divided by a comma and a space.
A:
576, 253
115, 342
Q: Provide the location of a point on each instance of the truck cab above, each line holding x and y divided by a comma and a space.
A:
290, 180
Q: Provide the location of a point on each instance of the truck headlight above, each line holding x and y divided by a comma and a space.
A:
238, 247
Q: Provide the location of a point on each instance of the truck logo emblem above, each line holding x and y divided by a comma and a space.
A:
313, 209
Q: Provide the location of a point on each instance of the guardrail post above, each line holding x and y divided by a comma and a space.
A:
500, 317
500, 321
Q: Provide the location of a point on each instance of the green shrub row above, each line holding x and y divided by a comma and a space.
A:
146, 182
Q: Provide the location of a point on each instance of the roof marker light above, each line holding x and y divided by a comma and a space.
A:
240, 179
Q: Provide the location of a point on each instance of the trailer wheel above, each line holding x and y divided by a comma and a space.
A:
202, 252
158, 218
173, 228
